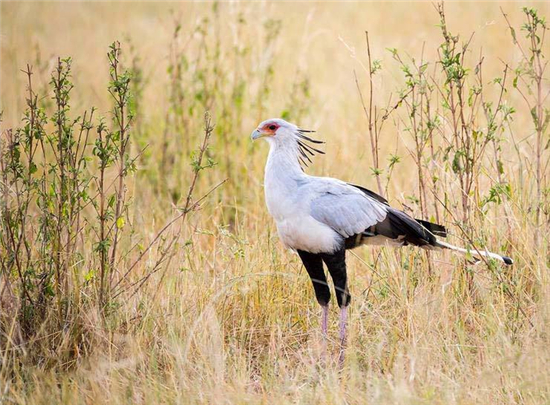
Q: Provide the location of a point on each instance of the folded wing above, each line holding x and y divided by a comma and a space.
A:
346, 209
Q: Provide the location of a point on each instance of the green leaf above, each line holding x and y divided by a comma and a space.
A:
89, 275
120, 223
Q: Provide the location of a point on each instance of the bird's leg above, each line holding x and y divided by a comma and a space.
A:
314, 266
324, 331
343, 334
324, 321
336, 264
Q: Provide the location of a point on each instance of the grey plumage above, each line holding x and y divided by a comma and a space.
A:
345, 209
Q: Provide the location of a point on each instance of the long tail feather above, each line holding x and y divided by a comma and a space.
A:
503, 259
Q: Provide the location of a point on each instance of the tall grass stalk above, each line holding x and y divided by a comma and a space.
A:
129, 274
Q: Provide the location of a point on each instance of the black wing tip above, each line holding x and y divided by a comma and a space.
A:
371, 194
507, 260
436, 229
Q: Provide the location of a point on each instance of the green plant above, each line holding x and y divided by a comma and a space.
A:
53, 170
529, 79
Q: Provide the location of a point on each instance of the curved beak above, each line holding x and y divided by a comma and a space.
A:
256, 135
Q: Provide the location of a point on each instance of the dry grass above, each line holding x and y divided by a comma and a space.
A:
232, 317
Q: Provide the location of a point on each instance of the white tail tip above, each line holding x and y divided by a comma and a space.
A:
504, 259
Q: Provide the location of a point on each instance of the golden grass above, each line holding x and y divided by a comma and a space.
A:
233, 318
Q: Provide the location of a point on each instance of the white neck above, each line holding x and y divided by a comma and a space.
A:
283, 176
282, 163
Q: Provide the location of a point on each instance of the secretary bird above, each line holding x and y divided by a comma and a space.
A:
321, 217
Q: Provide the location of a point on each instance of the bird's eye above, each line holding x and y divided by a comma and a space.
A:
273, 127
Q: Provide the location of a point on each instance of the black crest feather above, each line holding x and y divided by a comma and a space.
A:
304, 148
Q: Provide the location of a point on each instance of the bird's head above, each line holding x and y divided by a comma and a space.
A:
275, 130
280, 133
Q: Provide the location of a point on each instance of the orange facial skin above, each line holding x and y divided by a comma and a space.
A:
269, 129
